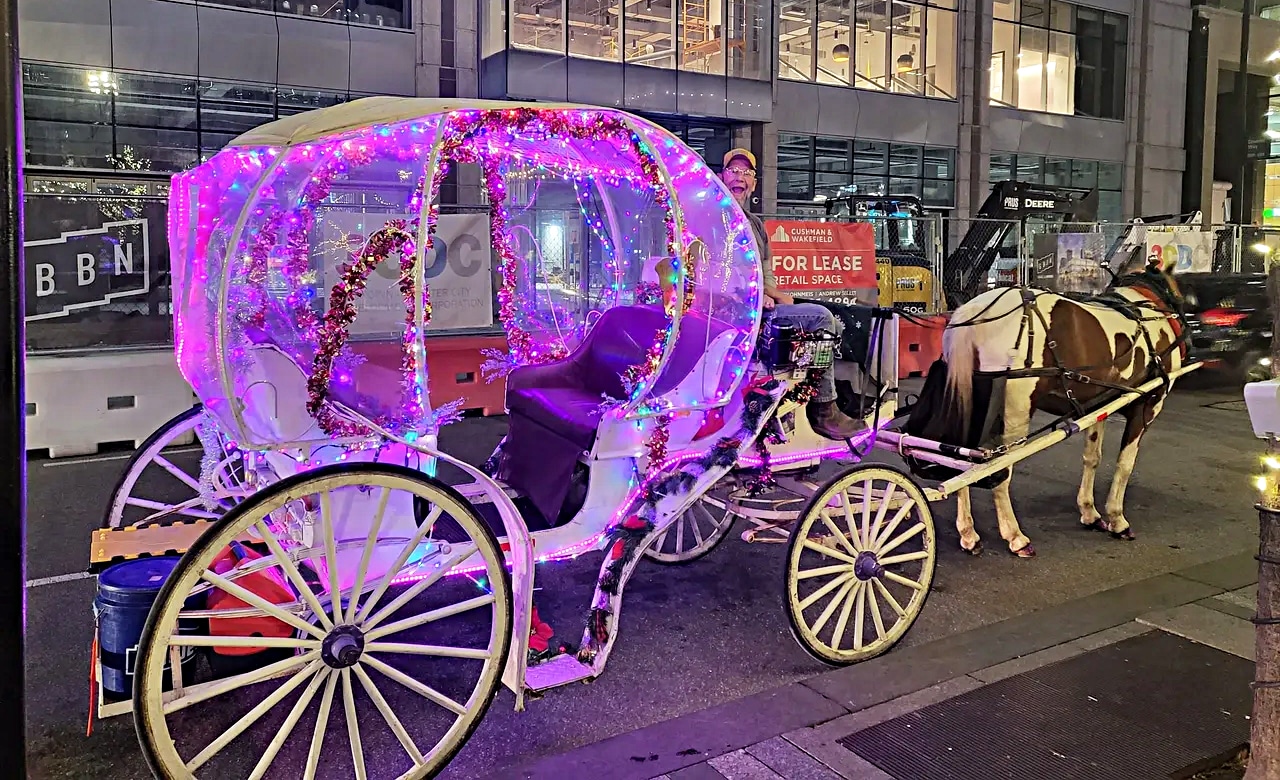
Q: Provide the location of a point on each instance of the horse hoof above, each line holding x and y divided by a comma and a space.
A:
1097, 525
1025, 552
1126, 535
976, 551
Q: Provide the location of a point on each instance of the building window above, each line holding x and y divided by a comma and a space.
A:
904, 47
77, 118
376, 13
1058, 57
717, 37
814, 168
1106, 177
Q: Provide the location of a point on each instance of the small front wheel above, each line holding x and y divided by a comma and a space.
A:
859, 564
369, 647
702, 527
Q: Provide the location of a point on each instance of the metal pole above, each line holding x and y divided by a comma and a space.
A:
1242, 92
13, 451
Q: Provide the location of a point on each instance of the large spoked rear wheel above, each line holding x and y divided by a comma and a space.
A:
859, 564
698, 531
275, 678
159, 487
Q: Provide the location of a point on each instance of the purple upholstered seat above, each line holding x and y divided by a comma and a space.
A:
566, 396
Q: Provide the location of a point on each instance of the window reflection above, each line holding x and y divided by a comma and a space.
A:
376, 13
896, 46
1106, 177
1053, 56
538, 25
815, 168
76, 118
649, 29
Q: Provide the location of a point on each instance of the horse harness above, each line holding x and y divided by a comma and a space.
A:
1132, 310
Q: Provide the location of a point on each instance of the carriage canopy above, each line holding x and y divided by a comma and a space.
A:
317, 243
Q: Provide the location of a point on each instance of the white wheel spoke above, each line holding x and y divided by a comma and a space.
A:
353, 727
893, 524
823, 571
813, 598
433, 650
186, 478
919, 555
186, 509
859, 619
331, 556
370, 542
697, 529
850, 543
290, 723
913, 531
873, 533
423, 690
837, 636
252, 716
898, 578
679, 534
880, 586
291, 570
188, 640
809, 544
416, 589
194, 694
389, 716
412, 545
322, 726
661, 540
428, 617
874, 605
839, 599
250, 597
863, 530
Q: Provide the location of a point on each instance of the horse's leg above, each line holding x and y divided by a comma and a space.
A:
1136, 423
1017, 422
1019, 544
1089, 516
969, 540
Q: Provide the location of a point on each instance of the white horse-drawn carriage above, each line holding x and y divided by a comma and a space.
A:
330, 606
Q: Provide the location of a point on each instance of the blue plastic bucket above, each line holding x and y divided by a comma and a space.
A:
126, 592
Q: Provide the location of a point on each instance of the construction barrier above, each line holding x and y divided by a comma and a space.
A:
919, 344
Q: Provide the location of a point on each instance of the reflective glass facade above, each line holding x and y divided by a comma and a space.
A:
814, 168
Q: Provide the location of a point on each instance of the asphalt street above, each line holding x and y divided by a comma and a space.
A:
706, 633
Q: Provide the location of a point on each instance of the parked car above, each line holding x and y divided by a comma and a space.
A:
1229, 323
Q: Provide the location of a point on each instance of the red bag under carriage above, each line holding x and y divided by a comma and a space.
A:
269, 584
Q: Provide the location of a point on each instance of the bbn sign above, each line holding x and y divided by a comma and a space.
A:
82, 269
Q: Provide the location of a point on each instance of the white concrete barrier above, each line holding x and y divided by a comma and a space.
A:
77, 404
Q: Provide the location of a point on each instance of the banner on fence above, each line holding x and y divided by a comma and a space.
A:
458, 271
1181, 251
1070, 262
826, 260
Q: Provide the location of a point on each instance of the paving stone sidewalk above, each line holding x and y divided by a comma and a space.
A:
1143, 681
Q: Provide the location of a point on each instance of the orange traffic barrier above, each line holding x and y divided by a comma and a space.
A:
919, 344
453, 365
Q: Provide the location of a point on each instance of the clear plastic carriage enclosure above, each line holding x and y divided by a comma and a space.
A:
584, 204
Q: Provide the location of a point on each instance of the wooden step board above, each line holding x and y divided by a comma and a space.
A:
114, 545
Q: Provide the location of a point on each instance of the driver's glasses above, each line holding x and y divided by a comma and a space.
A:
741, 172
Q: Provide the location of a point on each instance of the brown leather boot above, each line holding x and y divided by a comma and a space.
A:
830, 422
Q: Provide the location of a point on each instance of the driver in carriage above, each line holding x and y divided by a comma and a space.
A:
739, 176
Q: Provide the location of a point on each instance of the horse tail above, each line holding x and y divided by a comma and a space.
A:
960, 351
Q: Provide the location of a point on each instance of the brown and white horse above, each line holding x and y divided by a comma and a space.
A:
1124, 338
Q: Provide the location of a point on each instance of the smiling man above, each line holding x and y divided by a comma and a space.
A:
739, 175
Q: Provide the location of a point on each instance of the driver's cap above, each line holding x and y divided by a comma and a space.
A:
740, 152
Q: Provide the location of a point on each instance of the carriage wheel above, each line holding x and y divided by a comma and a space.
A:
702, 527
387, 680
154, 489
859, 564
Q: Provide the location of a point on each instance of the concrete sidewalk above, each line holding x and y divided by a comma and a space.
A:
1146, 680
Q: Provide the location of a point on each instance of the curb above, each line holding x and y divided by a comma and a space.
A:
980, 655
